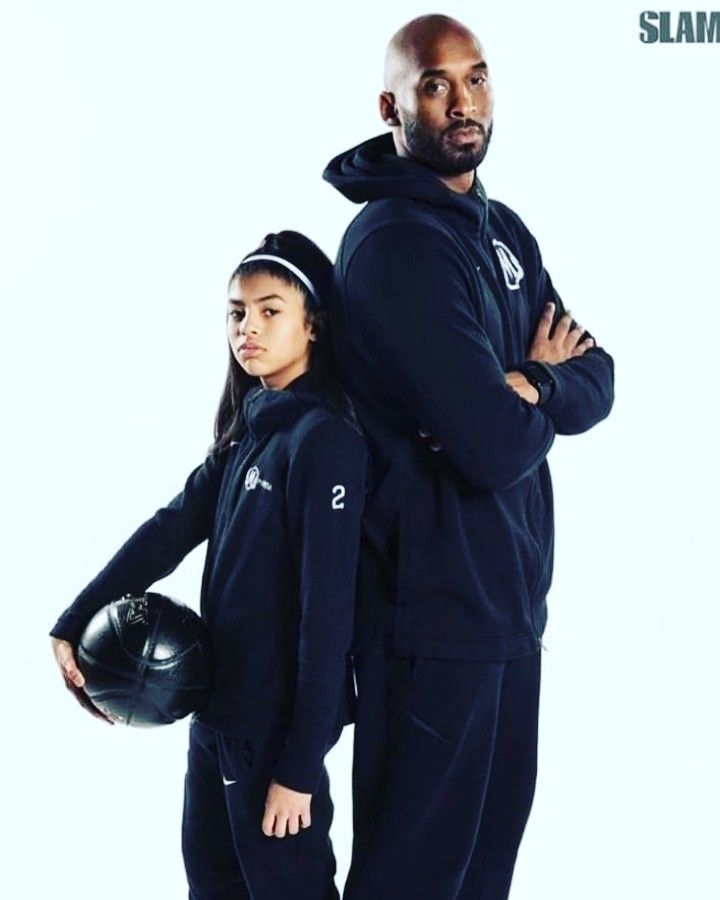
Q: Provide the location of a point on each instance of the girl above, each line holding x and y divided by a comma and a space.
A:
279, 498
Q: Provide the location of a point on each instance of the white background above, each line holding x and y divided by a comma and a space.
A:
146, 147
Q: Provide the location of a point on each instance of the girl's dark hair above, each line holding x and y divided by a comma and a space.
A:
306, 256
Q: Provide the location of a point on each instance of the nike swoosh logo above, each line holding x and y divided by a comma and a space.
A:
226, 782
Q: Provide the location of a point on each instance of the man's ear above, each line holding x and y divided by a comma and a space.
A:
388, 110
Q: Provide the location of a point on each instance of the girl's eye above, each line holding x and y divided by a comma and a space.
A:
236, 314
270, 312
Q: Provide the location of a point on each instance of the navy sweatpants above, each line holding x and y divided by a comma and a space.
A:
444, 774
227, 856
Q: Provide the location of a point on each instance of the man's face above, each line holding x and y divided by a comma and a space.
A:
445, 104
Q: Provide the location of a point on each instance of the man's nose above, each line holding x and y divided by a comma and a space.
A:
462, 103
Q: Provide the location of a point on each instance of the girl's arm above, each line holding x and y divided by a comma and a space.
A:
326, 495
153, 551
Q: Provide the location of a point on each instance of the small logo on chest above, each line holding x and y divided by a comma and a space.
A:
512, 271
253, 480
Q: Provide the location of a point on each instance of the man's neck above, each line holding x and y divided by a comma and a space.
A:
461, 184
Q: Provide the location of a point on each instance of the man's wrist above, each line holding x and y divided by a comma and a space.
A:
540, 376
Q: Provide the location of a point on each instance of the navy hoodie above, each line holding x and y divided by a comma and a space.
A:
438, 295
281, 508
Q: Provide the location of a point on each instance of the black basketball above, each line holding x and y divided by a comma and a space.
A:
146, 660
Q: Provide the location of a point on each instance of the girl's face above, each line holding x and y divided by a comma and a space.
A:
267, 329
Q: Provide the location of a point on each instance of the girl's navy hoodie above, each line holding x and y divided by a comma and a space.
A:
281, 508
438, 295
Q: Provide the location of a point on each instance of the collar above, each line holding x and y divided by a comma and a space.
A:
265, 409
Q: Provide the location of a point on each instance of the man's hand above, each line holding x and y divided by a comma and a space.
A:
565, 342
73, 677
285, 811
519, 383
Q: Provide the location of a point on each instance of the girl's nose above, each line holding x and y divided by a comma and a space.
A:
250, 325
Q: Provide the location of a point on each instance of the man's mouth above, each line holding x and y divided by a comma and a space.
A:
465, 134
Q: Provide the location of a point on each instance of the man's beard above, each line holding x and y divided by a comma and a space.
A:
430, 148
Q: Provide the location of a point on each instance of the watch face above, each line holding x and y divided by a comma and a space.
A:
541, 380
541, 375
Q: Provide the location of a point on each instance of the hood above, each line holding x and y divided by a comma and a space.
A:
266, 410
373, 171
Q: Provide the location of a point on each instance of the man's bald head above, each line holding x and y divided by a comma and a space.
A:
438, 97
413, 44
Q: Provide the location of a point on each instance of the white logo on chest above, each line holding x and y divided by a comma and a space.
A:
510, 265
253, 480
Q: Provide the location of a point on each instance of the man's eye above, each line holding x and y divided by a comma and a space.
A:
478, 79
434, 87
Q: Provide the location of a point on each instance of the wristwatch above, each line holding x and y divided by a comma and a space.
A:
540, 377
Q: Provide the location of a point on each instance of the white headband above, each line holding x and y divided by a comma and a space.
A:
288, 265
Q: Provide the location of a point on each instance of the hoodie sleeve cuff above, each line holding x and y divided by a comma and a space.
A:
69, 628
302, 772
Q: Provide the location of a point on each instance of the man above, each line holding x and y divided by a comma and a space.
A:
464, 366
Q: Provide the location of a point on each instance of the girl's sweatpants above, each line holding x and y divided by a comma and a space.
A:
444, 773
227, 856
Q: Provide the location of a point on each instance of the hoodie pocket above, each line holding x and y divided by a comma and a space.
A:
539, 521
531, 513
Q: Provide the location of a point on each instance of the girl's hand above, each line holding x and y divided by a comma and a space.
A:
565, 343
73, 677
285, 810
